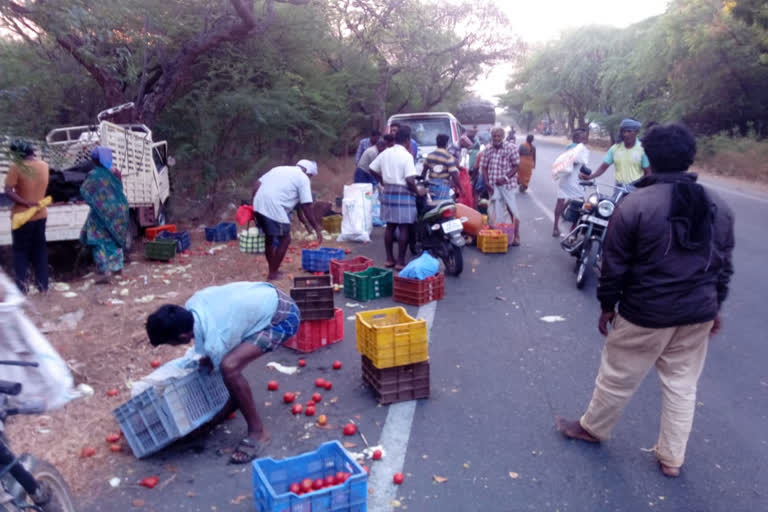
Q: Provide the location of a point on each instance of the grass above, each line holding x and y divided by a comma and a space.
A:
740, 157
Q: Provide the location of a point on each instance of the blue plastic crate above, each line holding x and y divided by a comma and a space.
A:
319, 260
154, 419
222, 232
272, 479
182, 238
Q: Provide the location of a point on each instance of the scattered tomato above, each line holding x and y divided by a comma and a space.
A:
149, 482
289, 397
310, 411
115, 448
322, 420
113, 392
272, 385
350, 429
295, 488
320, 382
88, 451
398, 478
296, 409
328, 386
330, 481
337, 365
113, 438
302, 363
317, 397
376, 455
306, 485
318, 484
155, 363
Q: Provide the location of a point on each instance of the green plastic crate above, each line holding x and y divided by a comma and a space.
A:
371, 283
163, 249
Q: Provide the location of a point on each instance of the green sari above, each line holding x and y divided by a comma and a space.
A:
106, 230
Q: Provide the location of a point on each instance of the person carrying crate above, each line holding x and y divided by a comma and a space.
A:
232, 325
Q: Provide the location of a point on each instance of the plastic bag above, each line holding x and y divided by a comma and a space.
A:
357, 221
50, 384
421, 268
376, 208
564, 163
173, 369
244, 214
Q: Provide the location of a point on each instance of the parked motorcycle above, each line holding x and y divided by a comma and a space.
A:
438, 231
26, 482
585, 241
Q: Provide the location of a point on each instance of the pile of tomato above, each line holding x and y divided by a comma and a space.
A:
308, 485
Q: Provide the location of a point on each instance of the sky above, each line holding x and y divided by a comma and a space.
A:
543, 20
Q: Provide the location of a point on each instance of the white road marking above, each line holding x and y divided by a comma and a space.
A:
395, 436
548, 212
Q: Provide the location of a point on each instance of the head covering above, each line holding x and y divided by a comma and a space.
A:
309, 166
629, 124
103, 156
21, 148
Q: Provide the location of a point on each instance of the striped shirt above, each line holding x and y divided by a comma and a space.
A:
498, 162
440, 164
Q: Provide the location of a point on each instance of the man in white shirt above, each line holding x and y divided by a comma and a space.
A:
275, 195
396, 170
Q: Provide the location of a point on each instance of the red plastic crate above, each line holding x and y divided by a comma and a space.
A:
338, 267
315, 334
151, 233
419, 291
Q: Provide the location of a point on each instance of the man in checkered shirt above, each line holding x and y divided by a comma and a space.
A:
499, 168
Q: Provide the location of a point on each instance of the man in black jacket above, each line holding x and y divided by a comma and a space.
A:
666, 264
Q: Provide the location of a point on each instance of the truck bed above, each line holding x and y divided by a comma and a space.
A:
65, 221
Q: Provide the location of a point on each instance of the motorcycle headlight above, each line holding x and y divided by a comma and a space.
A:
605, 208
593, 199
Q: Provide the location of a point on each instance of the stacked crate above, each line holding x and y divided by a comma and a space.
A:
418, 292
395, 360
321, 324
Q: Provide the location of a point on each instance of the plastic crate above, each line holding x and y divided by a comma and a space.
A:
397, 384
357, 264
151, 233
332, 223
371, 283
318, 260
507, 229
154, 419
164, 250
418, 291
315, 334
390, 337
183, 241
314, 297
222, 232
273, 478
492, 241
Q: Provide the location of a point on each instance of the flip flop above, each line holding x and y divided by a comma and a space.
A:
389, 264
247, 450
399, 267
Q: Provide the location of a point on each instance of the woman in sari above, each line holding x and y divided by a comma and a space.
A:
106, 230
527, 163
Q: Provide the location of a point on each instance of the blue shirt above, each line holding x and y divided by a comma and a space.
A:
227, 315
414, 150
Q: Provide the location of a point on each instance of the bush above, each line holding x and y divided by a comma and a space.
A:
742, 157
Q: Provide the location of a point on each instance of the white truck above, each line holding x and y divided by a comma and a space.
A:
142, 163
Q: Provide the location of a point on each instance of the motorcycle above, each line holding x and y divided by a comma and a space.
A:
438, 231
26, 482
585, 241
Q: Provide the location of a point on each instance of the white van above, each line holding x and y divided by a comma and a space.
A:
426, 126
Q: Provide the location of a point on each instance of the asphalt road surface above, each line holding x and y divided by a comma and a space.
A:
499, 374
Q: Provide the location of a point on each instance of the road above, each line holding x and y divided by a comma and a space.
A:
499, 374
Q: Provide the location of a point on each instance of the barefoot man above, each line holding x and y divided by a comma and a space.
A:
667, 264
232, 325
275, 195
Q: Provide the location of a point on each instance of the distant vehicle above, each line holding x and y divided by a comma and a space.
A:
426, 126
477, 113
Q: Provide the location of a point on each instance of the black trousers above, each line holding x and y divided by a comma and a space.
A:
29, 245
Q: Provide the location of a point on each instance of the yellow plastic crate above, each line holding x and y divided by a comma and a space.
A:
492, 241
390, 337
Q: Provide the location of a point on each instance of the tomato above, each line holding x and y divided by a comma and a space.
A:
115, 448
376, 455
341, 477
398, 478
306, 485
272, 385
322, 420
112, 392
318, 484
155, 363
328, 386
302, 363
88, 451
337, 365
320, 382
296, 409
317, 397
113, 438
350, 429
347, 251
310, 411
330, 481
295, 488
289, 397
149, 482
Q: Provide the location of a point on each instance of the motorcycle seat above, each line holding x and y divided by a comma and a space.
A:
433, 209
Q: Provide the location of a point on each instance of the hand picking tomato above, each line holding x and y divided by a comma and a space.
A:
376, 455
296, 409
350, 429
317, 397
398, 478
289, 397
306, 485
337, 365
113, 438
328, 386
318, 484
302, 363
319, 382
149, 482
330, 481
88, 451
295, 488
272, 385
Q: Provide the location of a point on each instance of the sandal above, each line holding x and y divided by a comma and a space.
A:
247, 450
389, 264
